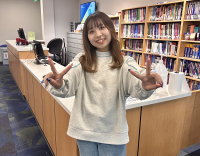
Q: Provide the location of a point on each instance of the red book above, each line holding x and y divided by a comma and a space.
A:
176, 31
139, 31
192, 29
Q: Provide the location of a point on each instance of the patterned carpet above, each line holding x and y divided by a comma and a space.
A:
193, 150
20, 134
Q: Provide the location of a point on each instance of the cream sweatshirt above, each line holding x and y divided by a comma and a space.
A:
99, 113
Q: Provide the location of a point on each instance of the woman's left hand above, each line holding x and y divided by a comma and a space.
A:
150, 79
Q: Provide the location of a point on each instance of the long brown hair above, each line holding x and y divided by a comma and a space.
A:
89, 59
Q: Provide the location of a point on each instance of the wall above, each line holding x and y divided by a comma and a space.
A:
16, 14
111, 7
47, 18
65, 11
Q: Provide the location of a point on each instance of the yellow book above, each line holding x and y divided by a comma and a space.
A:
126, 15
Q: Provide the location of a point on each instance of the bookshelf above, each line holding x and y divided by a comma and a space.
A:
175, 19
117, 25
136, 23
184, 43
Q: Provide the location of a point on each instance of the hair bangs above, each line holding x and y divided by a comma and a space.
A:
95, 22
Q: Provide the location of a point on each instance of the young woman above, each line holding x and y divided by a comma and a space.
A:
101, 79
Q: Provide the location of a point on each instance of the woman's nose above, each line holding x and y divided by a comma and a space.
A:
98, 33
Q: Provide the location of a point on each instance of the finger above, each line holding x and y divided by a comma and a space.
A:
53, 69
148, 69
153, 86
55, 84
66, 70
157, 77
137, 75
45, 82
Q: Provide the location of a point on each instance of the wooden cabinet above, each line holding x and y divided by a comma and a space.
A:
66, 146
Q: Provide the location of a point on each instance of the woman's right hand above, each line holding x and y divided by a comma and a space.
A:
55, 78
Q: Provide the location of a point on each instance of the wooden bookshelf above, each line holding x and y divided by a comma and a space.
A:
168, 3
132, 38
159, 55
190, 59
147, 147
189, 41
133, 23
174, 21
136, 51
134, 8
188, 77
180, 42
113, 17
138, 22
161, 39
196, 20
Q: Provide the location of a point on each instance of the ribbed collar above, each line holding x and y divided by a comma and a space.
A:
103, 54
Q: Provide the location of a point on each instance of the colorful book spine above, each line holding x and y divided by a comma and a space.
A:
166, 12
193, 10
134, 15
164, 31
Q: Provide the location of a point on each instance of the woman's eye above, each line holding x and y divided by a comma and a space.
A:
101, 27
90, 32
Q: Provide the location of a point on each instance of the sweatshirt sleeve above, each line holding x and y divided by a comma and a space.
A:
71, 80
132, 85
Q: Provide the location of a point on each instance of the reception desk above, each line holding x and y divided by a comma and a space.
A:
15, 53
158, 126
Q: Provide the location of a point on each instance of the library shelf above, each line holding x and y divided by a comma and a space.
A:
197, 20
151, 68
159, 55
132, 38
136, 51
190, 59
161, 39
166, 3
134, 8
183, 28
133, 23
188, 77
114, 16
189, 41
164, 21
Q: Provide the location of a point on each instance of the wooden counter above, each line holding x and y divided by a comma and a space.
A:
15, 53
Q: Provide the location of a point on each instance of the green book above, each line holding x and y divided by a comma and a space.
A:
196, 29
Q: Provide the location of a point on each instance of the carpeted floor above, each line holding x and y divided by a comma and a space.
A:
20, 135
193, 150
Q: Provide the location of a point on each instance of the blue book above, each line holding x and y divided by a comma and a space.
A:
194, 51
185, 52
199, 86
153, 13
198, 52
191, 52
153, 59
136, 31
131, 15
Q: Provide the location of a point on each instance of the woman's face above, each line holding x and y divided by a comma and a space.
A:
100, 37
